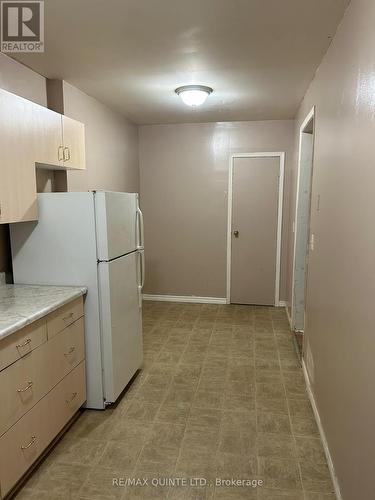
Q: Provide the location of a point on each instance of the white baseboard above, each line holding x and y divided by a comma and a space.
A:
335, 482
185, 298
289, 316
193, 299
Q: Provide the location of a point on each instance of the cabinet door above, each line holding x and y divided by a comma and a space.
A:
74, 143
47, 137
18, 199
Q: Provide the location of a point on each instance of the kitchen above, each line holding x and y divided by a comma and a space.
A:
151, 184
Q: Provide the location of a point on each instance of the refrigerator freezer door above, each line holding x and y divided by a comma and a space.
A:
116, 224
121, 323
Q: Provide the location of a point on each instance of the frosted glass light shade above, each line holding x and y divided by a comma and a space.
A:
193, 95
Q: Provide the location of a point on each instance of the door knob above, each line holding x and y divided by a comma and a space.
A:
236, 234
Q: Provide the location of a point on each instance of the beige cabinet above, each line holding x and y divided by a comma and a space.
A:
74, 143
47, 137
23, 444
32, 136
17, 173
41, 389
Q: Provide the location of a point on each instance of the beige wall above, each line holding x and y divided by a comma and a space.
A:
16, 78
184, 183
111, 145
341, 284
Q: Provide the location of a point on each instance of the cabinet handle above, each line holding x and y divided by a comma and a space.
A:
66, 154
71, 350
29, 386
60, 150
33, 439
75, 394
27, 341
70, 316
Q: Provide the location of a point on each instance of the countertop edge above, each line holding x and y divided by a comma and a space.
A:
40, 314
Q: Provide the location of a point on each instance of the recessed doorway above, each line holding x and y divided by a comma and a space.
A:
302, 224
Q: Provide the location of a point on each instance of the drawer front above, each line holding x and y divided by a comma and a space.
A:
63, 317
25, 382
67, 350
27, 439
22, 385
68, 398
21, 343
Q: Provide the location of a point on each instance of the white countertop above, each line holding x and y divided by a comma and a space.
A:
21, 305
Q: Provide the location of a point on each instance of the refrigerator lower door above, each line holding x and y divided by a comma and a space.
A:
121, 326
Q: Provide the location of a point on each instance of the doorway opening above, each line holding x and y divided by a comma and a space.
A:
255, 206
302, 225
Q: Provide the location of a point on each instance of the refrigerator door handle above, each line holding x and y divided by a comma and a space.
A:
143, 268
141, 232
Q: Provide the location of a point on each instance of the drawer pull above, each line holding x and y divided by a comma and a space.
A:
71, 350
27, 341
29, 386
75, 394
70, 316
33, 439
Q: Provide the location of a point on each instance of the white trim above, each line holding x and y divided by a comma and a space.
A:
185, 298
310, 116
280, 155
281, 303
331, 467
288, 315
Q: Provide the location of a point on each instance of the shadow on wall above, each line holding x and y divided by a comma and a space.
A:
5, 253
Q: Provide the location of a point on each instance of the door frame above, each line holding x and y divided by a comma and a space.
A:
281, 156
310, 116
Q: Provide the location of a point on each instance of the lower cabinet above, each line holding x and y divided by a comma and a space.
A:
30, 436
41, 392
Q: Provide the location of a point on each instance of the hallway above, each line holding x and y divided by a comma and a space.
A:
221, 395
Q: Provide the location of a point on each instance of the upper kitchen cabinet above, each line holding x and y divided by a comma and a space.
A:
74, 143
17, 171
59, 141
48, 148
32, 136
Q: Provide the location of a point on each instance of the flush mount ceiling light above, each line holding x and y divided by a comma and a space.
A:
194, 95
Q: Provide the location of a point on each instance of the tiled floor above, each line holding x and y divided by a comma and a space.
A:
221, 395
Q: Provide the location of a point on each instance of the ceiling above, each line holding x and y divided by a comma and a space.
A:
258, 55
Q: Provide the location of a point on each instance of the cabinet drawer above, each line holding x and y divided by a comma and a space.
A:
63, 317
27, 439
19, 344
25, 382
66, 350
68, 396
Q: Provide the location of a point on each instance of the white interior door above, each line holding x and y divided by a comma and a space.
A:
255, 230
121, 323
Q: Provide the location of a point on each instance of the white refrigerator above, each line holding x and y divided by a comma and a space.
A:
93, 239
